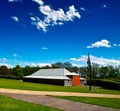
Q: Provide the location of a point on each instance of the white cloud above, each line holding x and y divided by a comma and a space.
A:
15, 18
104, 6
15, 55
33, 18
44, 48
40, 2
82, 9
102, 43
77, 65
3, 60
37, 64
4, 64
97, 60
14, 0
33, 64
53, 17
116, 45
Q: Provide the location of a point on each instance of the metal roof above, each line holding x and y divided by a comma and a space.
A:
58, 73
49, 77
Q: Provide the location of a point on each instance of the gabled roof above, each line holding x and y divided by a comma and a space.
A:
58, 73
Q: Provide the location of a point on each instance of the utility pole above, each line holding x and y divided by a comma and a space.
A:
89, 71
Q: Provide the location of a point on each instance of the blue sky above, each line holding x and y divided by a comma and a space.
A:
37, 32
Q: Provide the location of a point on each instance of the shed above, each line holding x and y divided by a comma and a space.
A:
57, 76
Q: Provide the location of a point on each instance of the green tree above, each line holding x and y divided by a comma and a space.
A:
26, 70
4, 70
67, 65
17, 71
83, 71
113, 71
104, 72
74, 69
58, 65
95, 70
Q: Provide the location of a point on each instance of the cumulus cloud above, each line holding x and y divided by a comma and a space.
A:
15, 18
14, 0
97, 60
53, 17
102, 43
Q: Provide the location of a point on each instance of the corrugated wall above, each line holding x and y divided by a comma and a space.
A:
76, 80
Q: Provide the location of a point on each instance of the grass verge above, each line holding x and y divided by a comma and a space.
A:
107, 102
17, 84
9, 104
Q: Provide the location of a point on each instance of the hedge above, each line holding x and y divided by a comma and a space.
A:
106, 84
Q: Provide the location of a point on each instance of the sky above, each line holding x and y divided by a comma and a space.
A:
39, 33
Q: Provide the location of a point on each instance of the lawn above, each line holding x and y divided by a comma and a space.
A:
9, 104
107, 102
17, 84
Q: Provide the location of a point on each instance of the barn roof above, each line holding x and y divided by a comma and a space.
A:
58, 73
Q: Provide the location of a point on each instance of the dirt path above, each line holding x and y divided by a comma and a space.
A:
15, 91
65, 105
40, 97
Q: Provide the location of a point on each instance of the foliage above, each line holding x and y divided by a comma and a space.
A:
105, 71
17, 71
106, 84
27, 70
17, 84
107, 102
9, 104
83, 71
97, 70
62, 65
4, 70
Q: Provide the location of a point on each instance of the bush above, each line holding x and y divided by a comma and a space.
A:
9, 77
106, 84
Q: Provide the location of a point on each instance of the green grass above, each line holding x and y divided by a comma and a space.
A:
9, 104
107, 102
16, 84
12, 104
111, 80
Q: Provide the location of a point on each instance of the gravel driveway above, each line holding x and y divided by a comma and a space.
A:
65, 105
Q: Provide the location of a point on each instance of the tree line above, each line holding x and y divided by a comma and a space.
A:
97, 70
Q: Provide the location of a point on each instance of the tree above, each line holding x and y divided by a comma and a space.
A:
17, 71
45, 67
67, 65
26, 70
58, 65
74, 69
95, 70
104, 72
83, 71
113, 71
4, 70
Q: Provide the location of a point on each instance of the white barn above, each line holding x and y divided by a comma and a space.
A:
58, 76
